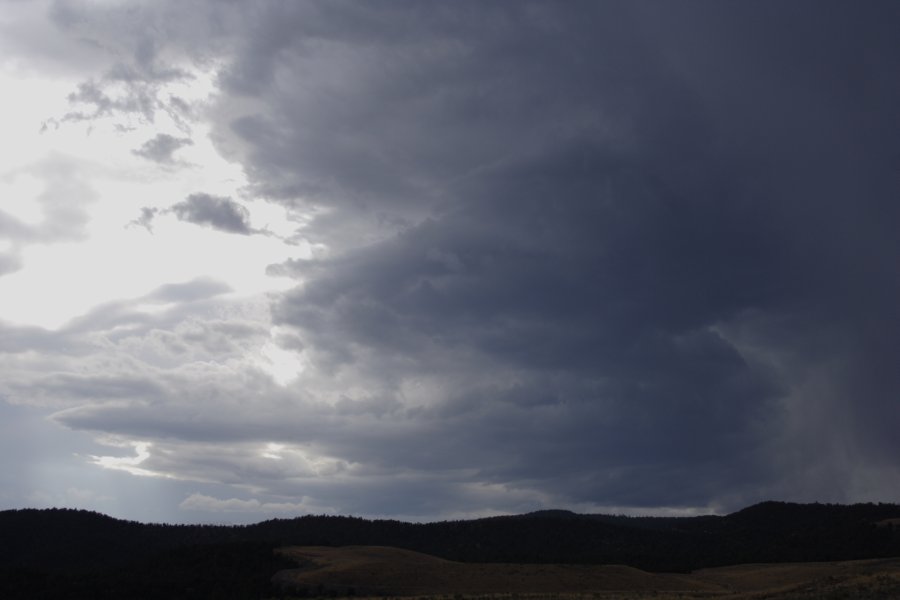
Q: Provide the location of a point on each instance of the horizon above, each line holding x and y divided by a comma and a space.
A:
433, 261
538, 512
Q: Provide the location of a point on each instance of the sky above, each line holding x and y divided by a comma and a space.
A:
443, 260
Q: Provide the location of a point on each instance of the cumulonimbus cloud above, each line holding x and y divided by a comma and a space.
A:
575, 254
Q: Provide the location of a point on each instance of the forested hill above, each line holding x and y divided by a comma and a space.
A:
767, 532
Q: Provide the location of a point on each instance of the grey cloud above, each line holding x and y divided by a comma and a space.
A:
107, 317
140, 99
134, 86
225, 408
63, 202
97, 388
36, 42
168, 346
178, 339
169, 335
64, 198
16, 339
14, 229
217, 212
146, 219
196, 289
443, 105
10, 262
143, 97
161, 148
123, 357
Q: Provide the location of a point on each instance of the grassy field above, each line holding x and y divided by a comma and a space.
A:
372, 571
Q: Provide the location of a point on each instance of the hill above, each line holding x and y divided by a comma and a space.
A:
56, 548
380, 571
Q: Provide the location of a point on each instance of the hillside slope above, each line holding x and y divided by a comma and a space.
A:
382, 571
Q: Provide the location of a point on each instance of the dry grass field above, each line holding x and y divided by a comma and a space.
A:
391, 572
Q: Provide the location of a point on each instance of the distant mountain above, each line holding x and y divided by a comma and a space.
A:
553, 514
40, 545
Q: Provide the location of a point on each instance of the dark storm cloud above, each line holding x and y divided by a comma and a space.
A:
161, 148
217, 212
620, 192
423, 98
571, 366
589, 254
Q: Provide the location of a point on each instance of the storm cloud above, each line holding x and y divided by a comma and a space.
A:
629, 255
637, 219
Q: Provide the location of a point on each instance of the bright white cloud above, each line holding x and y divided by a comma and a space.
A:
284, 365
203, 503
129, 464
108, 261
